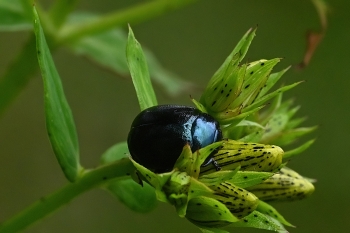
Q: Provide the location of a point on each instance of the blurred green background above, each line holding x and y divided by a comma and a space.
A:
191, 42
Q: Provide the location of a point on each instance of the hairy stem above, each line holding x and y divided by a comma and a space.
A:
46, 205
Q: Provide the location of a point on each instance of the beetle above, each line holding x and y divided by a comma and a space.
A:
159, 133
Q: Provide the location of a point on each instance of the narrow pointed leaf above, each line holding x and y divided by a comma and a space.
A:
273, 107
290, 136
139, 72
59, 119
265, 98
246, 179
208, 212
218, 177
265, 208
241, 47
259, 220
271, 81
253, 137
199, 106
292, 111
114, 153
230, 64
255, 79
298, 150
219, 94
274, 127
138, 198
107, 50
234, 118
198, 188
295, 123
212, 230
249, 124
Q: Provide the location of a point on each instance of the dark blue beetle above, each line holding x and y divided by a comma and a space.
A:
158, 135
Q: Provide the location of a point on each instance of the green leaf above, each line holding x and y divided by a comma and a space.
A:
218, 177
107, 50
275, 126
208, 212
198, 188
271, 81
298, 150
265, 98
139, 73
249, 124
231, 62
290, 136
114, 153
225, 118
199, 106
138, 198
259, 220
13, 16
212, 230
246, 179
255, 78
265, 208
253, 137
241, 48
59, 120
293, 123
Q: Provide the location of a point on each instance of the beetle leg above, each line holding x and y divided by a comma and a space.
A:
216, 165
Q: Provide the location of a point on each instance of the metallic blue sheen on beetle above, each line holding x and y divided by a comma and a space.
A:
158, 135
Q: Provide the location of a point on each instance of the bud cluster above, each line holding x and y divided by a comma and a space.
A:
244, 173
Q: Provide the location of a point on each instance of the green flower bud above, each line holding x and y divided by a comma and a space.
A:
255, 78
176, 189
286, 185
240, 202
208, 212
225, 88
248, 156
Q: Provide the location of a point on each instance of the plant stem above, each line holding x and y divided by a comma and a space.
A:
50, 203
119, 18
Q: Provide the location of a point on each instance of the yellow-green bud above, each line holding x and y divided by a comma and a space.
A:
287, 185
239, 201
249, 156
208, 212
